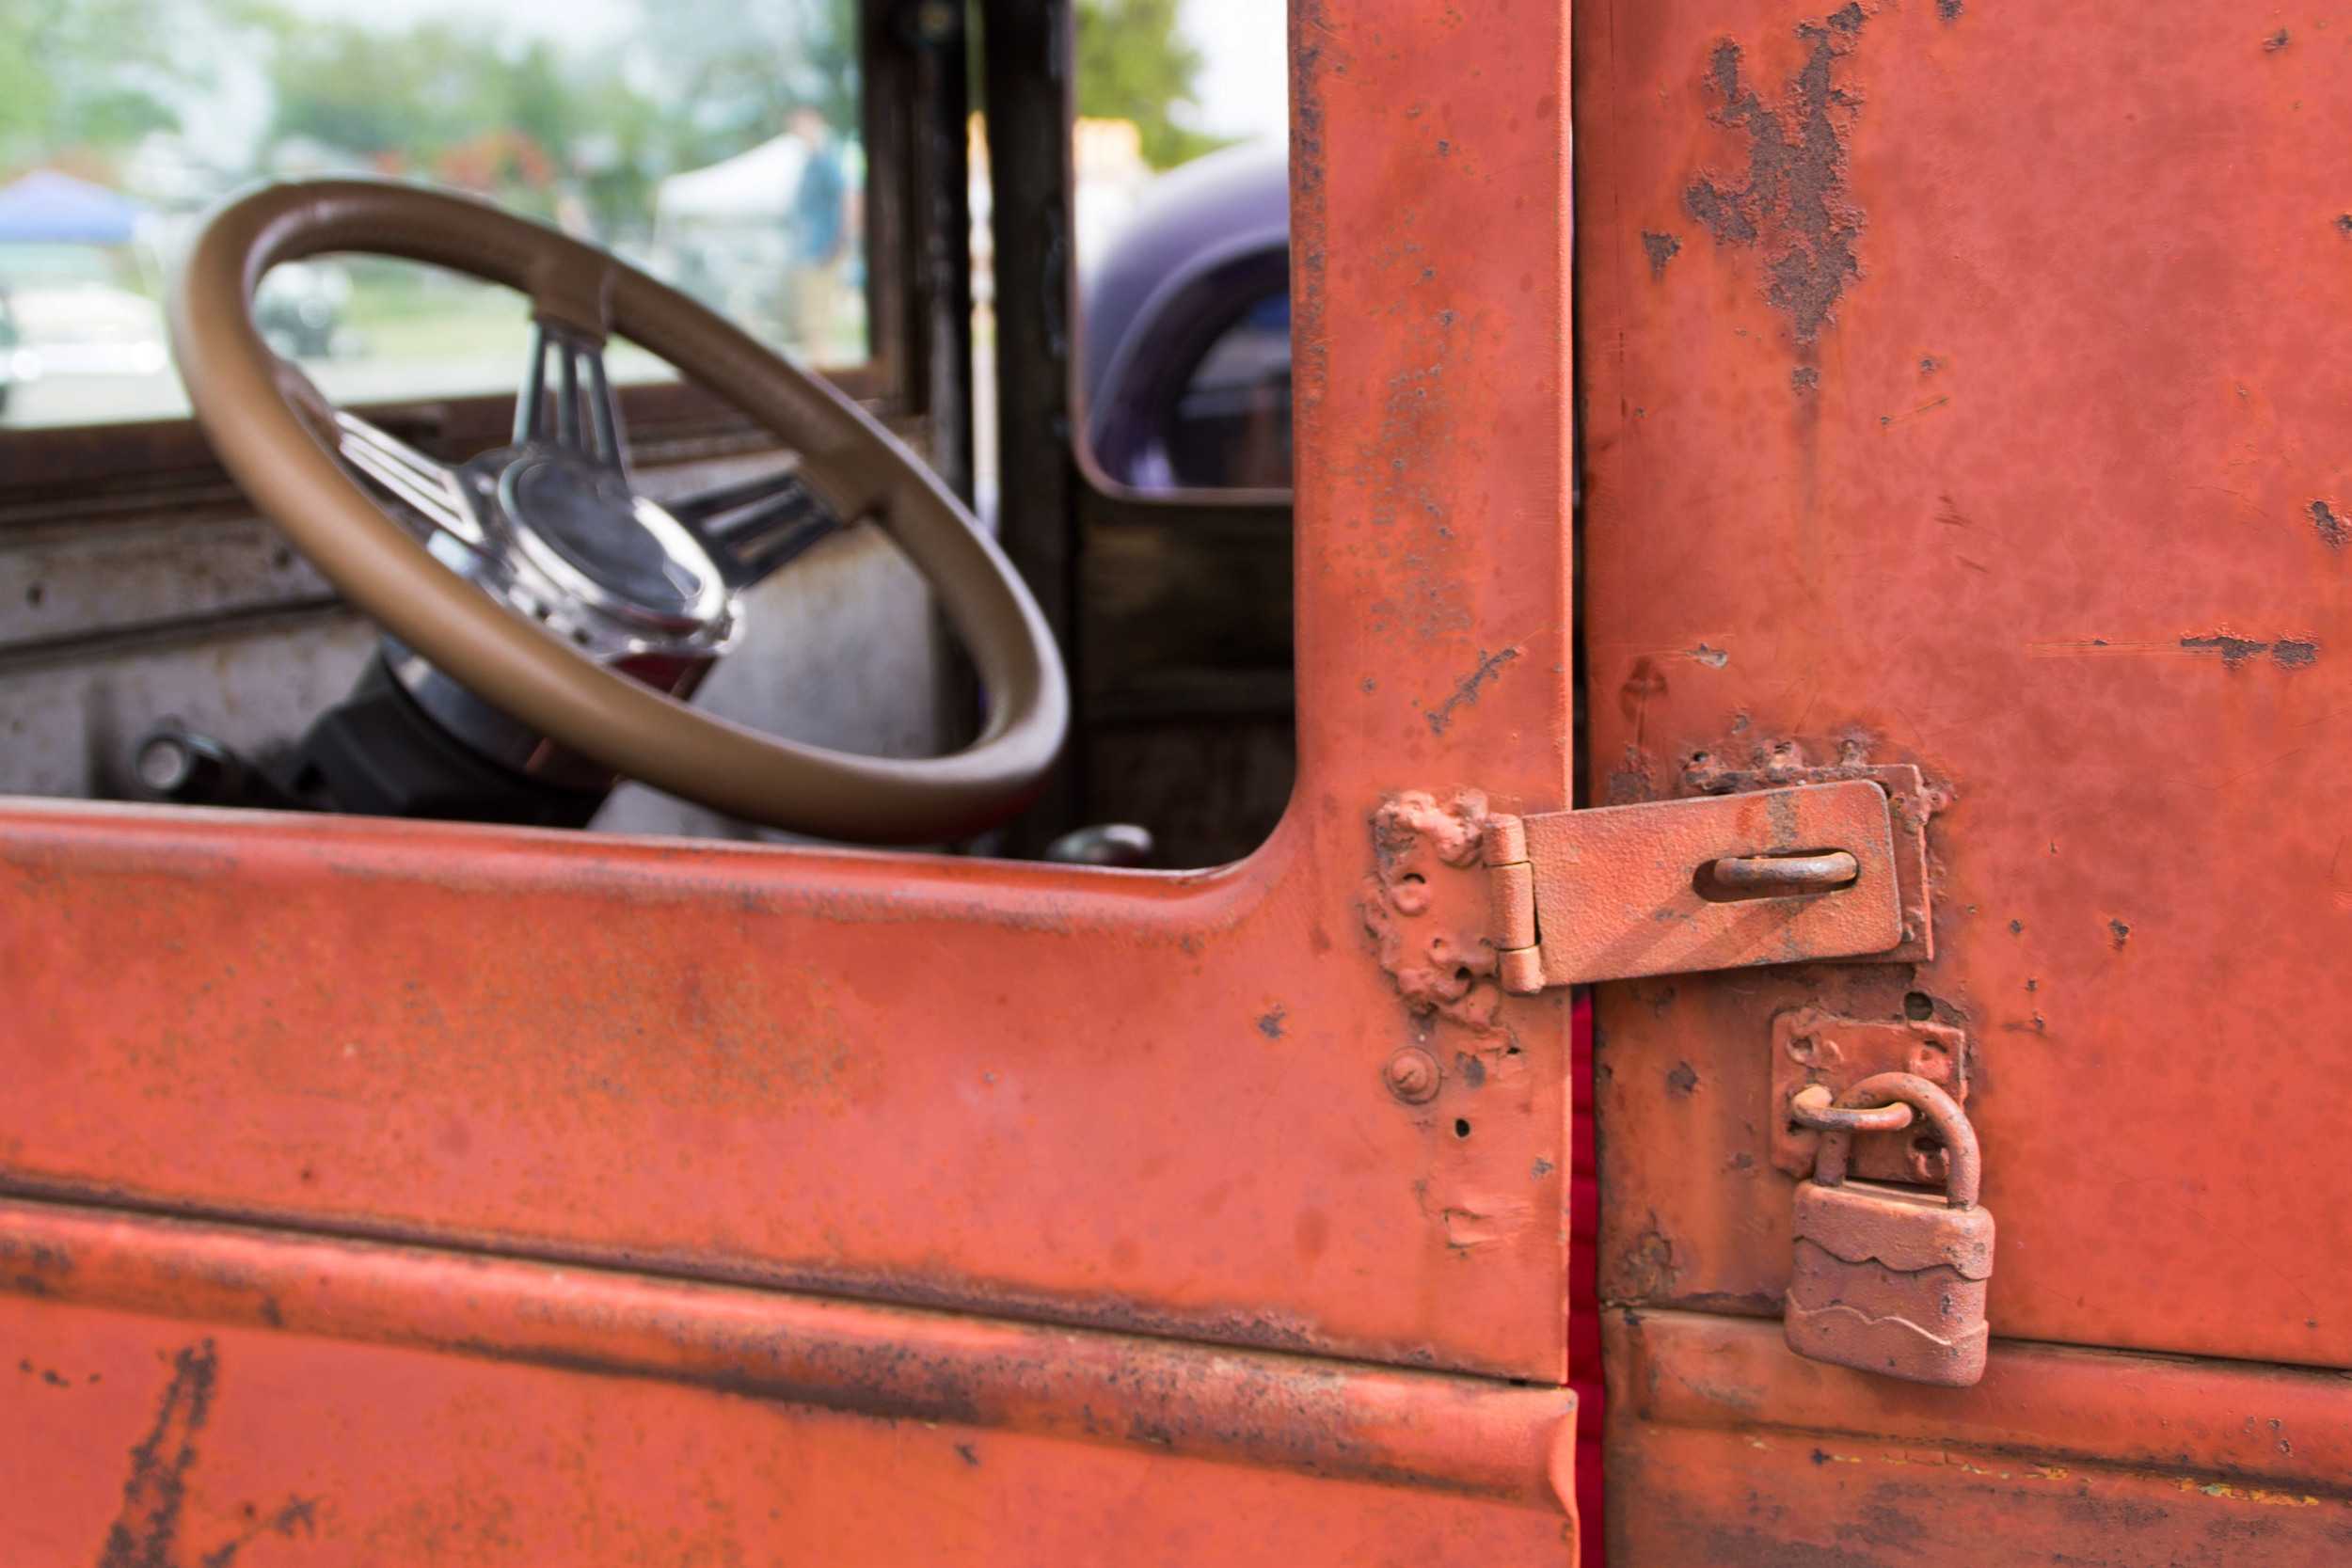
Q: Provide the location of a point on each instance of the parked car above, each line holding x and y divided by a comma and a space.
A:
300, 308
1186, 359
79, 312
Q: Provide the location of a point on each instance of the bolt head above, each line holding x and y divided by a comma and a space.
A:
1413, 1075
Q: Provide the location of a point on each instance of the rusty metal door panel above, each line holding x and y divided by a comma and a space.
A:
242, 1396
1130, 1101
1725, 1449
1139, 1101
1961, 390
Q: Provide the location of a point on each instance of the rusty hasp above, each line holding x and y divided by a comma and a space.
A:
1911, 801
1818, 1052
1892, 1279
1716, 882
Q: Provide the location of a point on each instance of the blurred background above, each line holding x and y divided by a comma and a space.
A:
712, 142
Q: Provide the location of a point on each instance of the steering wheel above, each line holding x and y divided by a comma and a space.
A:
539, 580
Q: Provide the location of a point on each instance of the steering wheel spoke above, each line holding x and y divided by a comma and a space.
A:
430, 493
573, 408
755, 527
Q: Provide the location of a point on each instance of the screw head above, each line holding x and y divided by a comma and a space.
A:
1413, 1075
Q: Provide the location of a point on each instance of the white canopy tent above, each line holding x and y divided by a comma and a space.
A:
755, 185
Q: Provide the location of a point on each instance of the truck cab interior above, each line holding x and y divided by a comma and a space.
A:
181, 626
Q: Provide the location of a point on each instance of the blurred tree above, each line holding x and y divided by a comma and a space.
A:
1136, 63
451, 102
735, 73
403, 96
80, 75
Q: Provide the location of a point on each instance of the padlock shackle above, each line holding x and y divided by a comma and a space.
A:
1963, 1162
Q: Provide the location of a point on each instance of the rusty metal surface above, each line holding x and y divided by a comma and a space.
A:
1739, 1455
1469, 1435
1429, 904
2042, 458
1143, 1102
554, 1044
1816, 1052
1620, 891
136, 1440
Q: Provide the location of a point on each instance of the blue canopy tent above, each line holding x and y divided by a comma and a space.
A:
46, 207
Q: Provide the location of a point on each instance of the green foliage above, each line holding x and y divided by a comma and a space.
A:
451, 102
1136, 63
736, 72
83, 75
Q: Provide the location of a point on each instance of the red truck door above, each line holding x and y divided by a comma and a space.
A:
1960, 394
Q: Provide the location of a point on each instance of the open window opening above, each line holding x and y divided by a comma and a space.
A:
1145, 442
1117, 406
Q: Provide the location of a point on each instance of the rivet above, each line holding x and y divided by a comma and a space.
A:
1413, 1075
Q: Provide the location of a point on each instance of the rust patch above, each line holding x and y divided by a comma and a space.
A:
1270, 1023
1948, 10
2288, 653
2332, 530
1644, 1271
1792, 202
1682, 1080
146, 1534
1629, 781
1804, 379
1773, 1547
1660, 249
2275, 41
1312, 40
2118, 933
1489, 666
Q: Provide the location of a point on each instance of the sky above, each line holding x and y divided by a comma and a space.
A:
1245, 86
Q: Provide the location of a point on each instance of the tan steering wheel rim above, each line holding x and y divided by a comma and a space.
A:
234, 382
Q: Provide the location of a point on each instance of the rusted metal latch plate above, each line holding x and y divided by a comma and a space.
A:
1813, 1048
1621, 891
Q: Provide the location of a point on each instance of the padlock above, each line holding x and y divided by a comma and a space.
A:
1892, 1279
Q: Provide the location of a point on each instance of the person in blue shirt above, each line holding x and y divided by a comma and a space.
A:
818, 241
